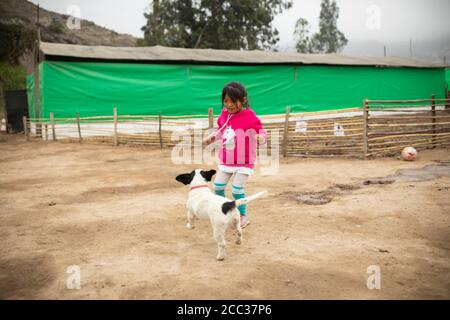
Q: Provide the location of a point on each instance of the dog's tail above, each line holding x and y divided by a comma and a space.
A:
227, 206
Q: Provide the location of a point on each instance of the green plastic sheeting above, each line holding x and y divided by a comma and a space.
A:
30, 94
140, 89
447, 78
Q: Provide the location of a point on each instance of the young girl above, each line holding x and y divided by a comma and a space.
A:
239, 130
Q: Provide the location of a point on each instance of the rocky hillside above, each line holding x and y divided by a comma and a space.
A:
54, 29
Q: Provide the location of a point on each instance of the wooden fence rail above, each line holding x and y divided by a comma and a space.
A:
377, 128
422, 124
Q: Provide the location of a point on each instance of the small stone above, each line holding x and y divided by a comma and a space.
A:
288, 282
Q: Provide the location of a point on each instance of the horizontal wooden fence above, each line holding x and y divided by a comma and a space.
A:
145, 130
377, 128
394, 124
324, 134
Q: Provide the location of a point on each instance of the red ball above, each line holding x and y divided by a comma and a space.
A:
409, 154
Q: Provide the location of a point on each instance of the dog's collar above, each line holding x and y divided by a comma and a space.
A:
204, 185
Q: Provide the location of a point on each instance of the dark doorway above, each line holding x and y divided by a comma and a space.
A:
16, 108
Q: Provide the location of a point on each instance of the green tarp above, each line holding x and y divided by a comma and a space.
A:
447, 78
172, 89
30, 94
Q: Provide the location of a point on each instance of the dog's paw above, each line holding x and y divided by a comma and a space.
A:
190, 226
220, 257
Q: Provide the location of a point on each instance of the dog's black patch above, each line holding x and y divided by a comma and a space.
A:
227, 206
208, 174
186, 178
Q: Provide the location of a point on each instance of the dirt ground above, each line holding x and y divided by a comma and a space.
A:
119, 214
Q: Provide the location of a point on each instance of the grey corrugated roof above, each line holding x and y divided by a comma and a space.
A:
159, 53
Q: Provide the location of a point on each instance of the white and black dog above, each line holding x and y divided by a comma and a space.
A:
204, 204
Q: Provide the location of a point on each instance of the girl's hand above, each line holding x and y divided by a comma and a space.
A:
208, 139
260, 138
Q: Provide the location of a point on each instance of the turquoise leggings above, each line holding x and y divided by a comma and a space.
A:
237, 188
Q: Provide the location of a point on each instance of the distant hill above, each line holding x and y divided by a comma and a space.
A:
54, 29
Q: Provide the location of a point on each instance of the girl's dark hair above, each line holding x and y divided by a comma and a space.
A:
236, 91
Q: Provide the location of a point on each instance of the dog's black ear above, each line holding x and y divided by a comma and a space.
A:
185, 178
208, 174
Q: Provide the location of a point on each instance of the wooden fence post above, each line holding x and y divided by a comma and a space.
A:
210, 118
447, 102
286, 131
25, 128
116, 142
46, 131
433, 114
160, 131
365, 128
52, 121
79, 127
3, 105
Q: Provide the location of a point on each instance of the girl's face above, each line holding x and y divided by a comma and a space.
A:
232, 107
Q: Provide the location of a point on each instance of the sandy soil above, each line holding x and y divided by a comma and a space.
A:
118, 214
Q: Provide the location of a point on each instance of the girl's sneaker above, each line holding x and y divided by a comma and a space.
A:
244, 221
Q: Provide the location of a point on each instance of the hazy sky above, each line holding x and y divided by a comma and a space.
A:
368, 24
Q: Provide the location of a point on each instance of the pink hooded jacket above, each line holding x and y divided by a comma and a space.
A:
242, 151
